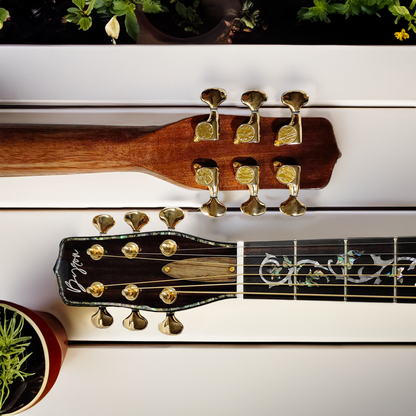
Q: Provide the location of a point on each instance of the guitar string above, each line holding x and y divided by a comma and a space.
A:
164, 259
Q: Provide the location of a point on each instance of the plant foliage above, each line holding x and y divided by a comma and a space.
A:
4, 15
323, 8
13, 354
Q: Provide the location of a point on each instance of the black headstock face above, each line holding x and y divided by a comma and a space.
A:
158, 271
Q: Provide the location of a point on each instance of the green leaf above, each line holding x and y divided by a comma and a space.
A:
4, 14
79, 3
132, 27
180, 9
150, 6
85, 23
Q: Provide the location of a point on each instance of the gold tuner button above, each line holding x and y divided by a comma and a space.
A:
102, 319
135, 322
249, 175
168, 295
289, 175
130, 250
209, 129
96, 289
171, 217
96, 252
250, 132
103, 223
292, 133
136, 219
131, 292
168, 248
171, 325
209, 177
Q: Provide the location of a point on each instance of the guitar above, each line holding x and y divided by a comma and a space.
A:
169, 152
168, 271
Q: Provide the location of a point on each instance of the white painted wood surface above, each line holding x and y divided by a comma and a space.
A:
376, 136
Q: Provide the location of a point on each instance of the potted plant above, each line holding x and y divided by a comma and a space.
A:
32, 349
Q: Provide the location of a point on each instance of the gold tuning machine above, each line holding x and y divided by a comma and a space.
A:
136, 219
209, 129
250, 131
171, 325
292, 133
290, 175
171, 217
135, 321
209, 177
103, 223
102, 319
249, 175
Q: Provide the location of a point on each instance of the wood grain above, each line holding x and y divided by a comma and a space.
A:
168, 152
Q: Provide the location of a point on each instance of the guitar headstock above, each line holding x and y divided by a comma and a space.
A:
164, 271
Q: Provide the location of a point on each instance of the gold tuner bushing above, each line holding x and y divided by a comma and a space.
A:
130, 250
168, 295
96, 289
96, 252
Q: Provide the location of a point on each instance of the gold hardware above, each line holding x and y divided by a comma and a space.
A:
130, 250
103, 223
209, 177
130, 292
96, 252
102, 319
166, 269
96, 289
171, 325
135, 321
290, 176
168, 295
232, 269
136, 219
292, 133
249, 175
250, 131
209, 129
168, 248
171, 217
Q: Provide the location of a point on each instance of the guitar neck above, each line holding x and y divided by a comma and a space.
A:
367, 270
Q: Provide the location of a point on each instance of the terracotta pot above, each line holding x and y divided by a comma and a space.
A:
53, 345
219, 14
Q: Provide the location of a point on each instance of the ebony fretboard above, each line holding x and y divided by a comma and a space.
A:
377, 269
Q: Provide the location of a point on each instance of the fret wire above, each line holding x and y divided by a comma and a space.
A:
394, 271
345, 269
295, 261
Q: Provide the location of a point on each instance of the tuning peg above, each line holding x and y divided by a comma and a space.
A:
209, 177
102, 319
171, 325
135, 321
290, 176
250, 132
171, 217
136, 219
103, 223
292, 133
209, 129
249, 175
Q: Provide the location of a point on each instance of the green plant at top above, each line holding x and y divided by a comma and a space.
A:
81, 14
13, 353
323, 8
4, 15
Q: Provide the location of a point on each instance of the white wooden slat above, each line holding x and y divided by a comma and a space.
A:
176, 75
